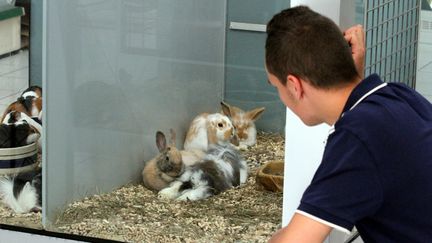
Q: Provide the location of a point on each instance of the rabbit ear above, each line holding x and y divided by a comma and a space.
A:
160, 141
255, 113
173, 137
226, 109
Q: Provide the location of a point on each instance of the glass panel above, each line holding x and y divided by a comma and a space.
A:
246, 83
117, 72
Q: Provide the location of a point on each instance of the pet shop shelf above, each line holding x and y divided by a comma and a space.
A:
10, 28
18, 159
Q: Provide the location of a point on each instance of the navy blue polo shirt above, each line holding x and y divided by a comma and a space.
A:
376, 171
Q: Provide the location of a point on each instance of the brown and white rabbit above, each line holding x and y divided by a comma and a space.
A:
244, 123
207, 129
221, 169
168, 164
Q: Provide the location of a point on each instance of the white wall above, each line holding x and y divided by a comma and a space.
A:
304, 145
329, 8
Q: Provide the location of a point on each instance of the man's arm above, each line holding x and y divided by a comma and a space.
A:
301, 229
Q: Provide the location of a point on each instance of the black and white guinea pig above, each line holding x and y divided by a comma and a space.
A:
15, 131
22, 192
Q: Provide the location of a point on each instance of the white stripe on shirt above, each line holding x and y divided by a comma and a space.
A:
337, 227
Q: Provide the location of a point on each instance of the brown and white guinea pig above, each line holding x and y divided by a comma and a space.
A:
30, 103
34, 91
15, 131
207, 129
32, 96
160, 171
244, 123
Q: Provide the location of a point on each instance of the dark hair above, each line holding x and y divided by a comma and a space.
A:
308, 45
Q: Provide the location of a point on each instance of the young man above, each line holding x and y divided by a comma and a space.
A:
376, 171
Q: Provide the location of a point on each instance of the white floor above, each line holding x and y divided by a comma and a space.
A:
14, 78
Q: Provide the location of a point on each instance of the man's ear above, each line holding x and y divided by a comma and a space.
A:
295, 86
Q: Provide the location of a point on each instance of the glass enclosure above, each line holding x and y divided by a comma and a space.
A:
119, 71
113, 73
122, 71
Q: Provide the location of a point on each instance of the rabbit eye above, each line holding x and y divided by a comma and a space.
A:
220, 124
167, 158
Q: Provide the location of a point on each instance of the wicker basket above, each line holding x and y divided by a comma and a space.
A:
270, 176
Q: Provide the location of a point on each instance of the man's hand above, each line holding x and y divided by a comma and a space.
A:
355, 37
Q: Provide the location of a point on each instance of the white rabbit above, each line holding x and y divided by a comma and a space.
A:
22, 193
207, 129
244, 123
221, 169
168, 164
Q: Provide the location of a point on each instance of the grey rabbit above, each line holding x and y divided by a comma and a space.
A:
221, 169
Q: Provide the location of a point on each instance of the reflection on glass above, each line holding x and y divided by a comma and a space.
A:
426, 5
